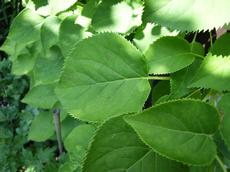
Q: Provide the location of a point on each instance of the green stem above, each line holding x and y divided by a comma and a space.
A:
197, 55
194, 92
194, 38
221, 164
158, 77
210, 33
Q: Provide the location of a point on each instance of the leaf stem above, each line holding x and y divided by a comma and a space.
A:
221, 164
197, 55
57, 124
210, 33
158, 77
194, 38
194, 92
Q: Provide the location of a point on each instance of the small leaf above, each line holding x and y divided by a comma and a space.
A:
116, 147
41, 96
179, 130
48, 68
97, 76
160, 89
214, 73
189, 15
219, 47
57, 6
42, 127
69, 34
121, 17
50, 32
225, 124
23, 31
144, 37
168, 54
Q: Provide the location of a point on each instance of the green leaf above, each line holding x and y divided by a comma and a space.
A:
50, 32
116, 147
42, 127
214, 73
179, 130
77, 143
5, 133
181, 80
144, 37
225, 124
23, 31
121, 17
168, 54
97, 76
48, 69
162, 88
219, 47
25, 61
41, 96
57, 6
189, 15
69, 34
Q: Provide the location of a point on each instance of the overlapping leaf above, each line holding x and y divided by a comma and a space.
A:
214, 73
97, 76
116, 147
225, 125
144, 37
168, 54
179, 130
41, 96
23, 31
120, 17
220, 46
188, 15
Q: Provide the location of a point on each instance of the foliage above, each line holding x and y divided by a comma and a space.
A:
99, 63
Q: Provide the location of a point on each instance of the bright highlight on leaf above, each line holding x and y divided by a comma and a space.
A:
168, 54
179, 130
121, 17
188, 15
97, 76
214, 73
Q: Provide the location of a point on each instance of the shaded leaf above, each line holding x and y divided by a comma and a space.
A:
112, 151
219, 47
185, 124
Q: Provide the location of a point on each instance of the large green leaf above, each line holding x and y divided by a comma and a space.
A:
188, 15
121, 17
116, 147
179, 130
225, 125
23, 31
97, 75
214, 73
168, 54
41, 96
69, 34
42, 127
145, 36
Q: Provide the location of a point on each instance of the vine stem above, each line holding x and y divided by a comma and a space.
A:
57, 124
221, 164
